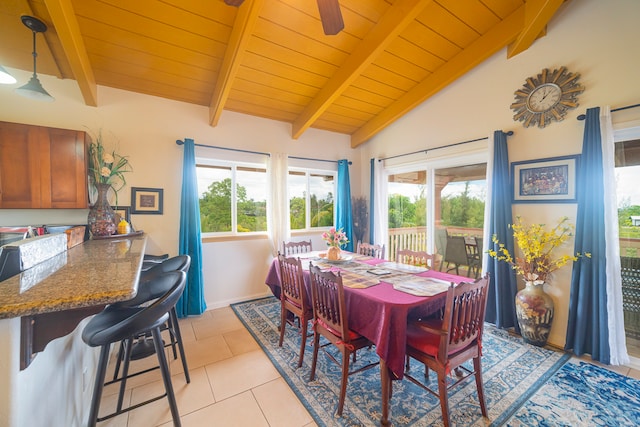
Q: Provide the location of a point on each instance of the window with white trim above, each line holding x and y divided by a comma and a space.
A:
233, 197
311, 198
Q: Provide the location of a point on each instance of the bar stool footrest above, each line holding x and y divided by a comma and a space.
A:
130, 408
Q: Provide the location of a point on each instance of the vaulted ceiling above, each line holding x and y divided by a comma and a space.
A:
270, 58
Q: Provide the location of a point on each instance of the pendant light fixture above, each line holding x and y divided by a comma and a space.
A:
33, 89
5, 77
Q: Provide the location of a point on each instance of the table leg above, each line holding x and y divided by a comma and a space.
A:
385, 383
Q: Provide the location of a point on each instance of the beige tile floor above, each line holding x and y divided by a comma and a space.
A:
233, 383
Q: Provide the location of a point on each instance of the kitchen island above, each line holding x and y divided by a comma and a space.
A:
63, 289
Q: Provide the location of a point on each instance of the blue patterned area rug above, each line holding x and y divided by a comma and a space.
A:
582, 394
513, 372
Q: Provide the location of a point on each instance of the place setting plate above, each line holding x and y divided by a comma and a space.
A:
342, 260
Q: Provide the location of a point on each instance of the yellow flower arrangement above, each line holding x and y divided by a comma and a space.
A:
107, 167
537, 247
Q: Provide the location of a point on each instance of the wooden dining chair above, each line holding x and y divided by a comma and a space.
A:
293, 248
368, 249
416, 258
443, 345
330, 321
293, 299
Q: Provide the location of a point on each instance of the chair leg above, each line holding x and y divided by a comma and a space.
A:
166, 376
128, 345
343, 380
172, 336
314, 360
98, 386
444, 402
118, 360
477, 366
176, 329
303, 340
283, 322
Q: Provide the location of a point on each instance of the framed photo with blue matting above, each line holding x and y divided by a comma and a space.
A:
550, 180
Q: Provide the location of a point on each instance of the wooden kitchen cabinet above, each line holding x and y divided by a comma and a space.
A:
42, 167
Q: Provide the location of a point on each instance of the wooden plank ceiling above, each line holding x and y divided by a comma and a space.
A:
270, 58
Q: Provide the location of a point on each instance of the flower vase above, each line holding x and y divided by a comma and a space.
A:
534, 310
102, 218
333, 253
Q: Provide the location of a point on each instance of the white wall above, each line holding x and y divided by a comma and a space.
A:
597, 39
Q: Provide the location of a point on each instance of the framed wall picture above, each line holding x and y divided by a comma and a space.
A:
123, 212
146, 201
551, 180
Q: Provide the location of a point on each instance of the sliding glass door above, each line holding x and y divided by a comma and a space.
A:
427, 205
627, 162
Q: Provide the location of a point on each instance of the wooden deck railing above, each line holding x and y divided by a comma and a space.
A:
407, 238
415, 238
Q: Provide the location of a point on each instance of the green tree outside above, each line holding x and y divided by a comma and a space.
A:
459, 211
215, 209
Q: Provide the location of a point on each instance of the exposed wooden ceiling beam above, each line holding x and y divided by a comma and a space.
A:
537, 14
240, 35
397, 17
494, 40
66, 26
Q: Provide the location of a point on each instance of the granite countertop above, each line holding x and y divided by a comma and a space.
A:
96, 272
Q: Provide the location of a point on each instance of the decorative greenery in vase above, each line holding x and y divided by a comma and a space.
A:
537, 247
106, 166
106, 170
360, 217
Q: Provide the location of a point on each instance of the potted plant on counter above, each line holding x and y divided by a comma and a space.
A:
534, 307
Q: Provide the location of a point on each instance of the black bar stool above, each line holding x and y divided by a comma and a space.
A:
149, 261
147, 291
115, 324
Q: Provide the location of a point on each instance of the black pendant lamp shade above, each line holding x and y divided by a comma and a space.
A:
33, 89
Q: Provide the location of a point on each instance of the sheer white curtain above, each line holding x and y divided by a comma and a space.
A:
617, 340
486, 232
278, 215
381, 204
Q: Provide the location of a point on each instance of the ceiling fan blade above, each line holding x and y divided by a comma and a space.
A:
330, 16
235, 3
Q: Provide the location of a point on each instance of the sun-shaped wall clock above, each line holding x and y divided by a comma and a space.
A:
547, 97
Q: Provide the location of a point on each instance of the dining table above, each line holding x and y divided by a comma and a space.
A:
381, 297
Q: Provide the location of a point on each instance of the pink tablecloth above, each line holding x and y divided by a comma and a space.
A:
380, 312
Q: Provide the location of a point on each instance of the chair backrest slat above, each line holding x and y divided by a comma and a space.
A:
327, 295
416, 258
292, 248
368, 249
464, 315
292, 281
